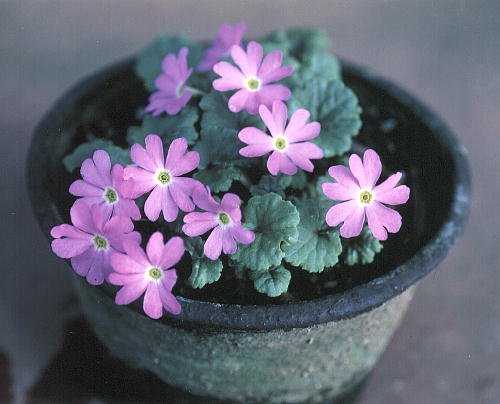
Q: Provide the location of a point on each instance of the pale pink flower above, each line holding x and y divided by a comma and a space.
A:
172, 94
169, 191
221, 45
149, 272
105, 187
91, 240
223, 217
287, 143
253, 79
357, 186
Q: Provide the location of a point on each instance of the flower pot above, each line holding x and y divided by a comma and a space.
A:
308, 351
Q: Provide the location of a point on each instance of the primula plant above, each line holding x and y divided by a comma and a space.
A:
240, 164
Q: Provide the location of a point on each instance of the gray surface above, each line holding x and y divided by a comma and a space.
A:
446, 52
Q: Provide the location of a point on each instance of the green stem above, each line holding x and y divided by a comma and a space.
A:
245, 180
196, 92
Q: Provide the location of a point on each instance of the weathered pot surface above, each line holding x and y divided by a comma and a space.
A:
308, 351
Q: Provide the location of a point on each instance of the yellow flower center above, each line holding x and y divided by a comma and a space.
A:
111, 196
280, 143
365, 197
253, 83
224, 218
155, 273
100, 242
163, 177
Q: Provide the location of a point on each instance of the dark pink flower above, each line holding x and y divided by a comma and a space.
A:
221, 45
223, 217
253, 79
287, 143
149, 272
170, 191
91, 240
172, 94
104, 188
357, 186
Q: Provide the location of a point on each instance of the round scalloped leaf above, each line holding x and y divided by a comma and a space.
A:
87, 149
217, 114
148, 65
361, 249
168, 127
204, 270
335, 107
219, 179
273, 282
318, 246
274, 222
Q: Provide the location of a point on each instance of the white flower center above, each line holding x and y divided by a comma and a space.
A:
110, 196
280, 143
100, 243
252, 83
224, 219
365, 197
155, 274
163, 177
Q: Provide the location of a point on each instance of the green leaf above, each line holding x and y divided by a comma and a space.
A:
336, 107
274, 222
319, 64
278, 183
204, 270
273, 282
220, 146
219, 179
87, 149
168, 127
318, 246
217, 114
148, 66
361, 249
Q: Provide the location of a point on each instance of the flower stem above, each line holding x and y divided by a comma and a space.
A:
245, 180
196, 92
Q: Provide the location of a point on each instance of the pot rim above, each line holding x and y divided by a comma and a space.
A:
339, 306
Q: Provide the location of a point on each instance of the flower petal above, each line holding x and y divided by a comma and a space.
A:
388, 184
83, 188
143, 181
353, 224
169, 207
66, 230
372, 167
152, 304
358, 170
273, 162
340, 212
117, 278
271, 92
344, 176
213, 245
380, 216
228, 242
131, 291
230, 201
81, 263
181, 199
154, 147
135, 252
154, 248
142, 158
168, 300
203, 199
301, 153
394, 196
153, 205
239, 101
69, 247
99, 268
125, 264
231, 79
172, 253
81, 217
242, 235
198, 223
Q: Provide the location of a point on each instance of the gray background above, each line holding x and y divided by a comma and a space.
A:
446, 52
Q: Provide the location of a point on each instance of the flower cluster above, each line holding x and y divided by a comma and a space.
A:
211, 191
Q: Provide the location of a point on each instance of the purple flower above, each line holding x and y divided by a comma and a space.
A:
287, 143
91, 240
253, 78
357, 186
221, 45
104, 188
224, 216
170, 191
151, 272
172, 94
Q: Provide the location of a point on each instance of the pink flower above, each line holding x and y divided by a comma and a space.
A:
287, 143
170, 191
357, 186
224, 216
91, 240
172, 94
151, 272
104, 188
221, 45
253, 79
